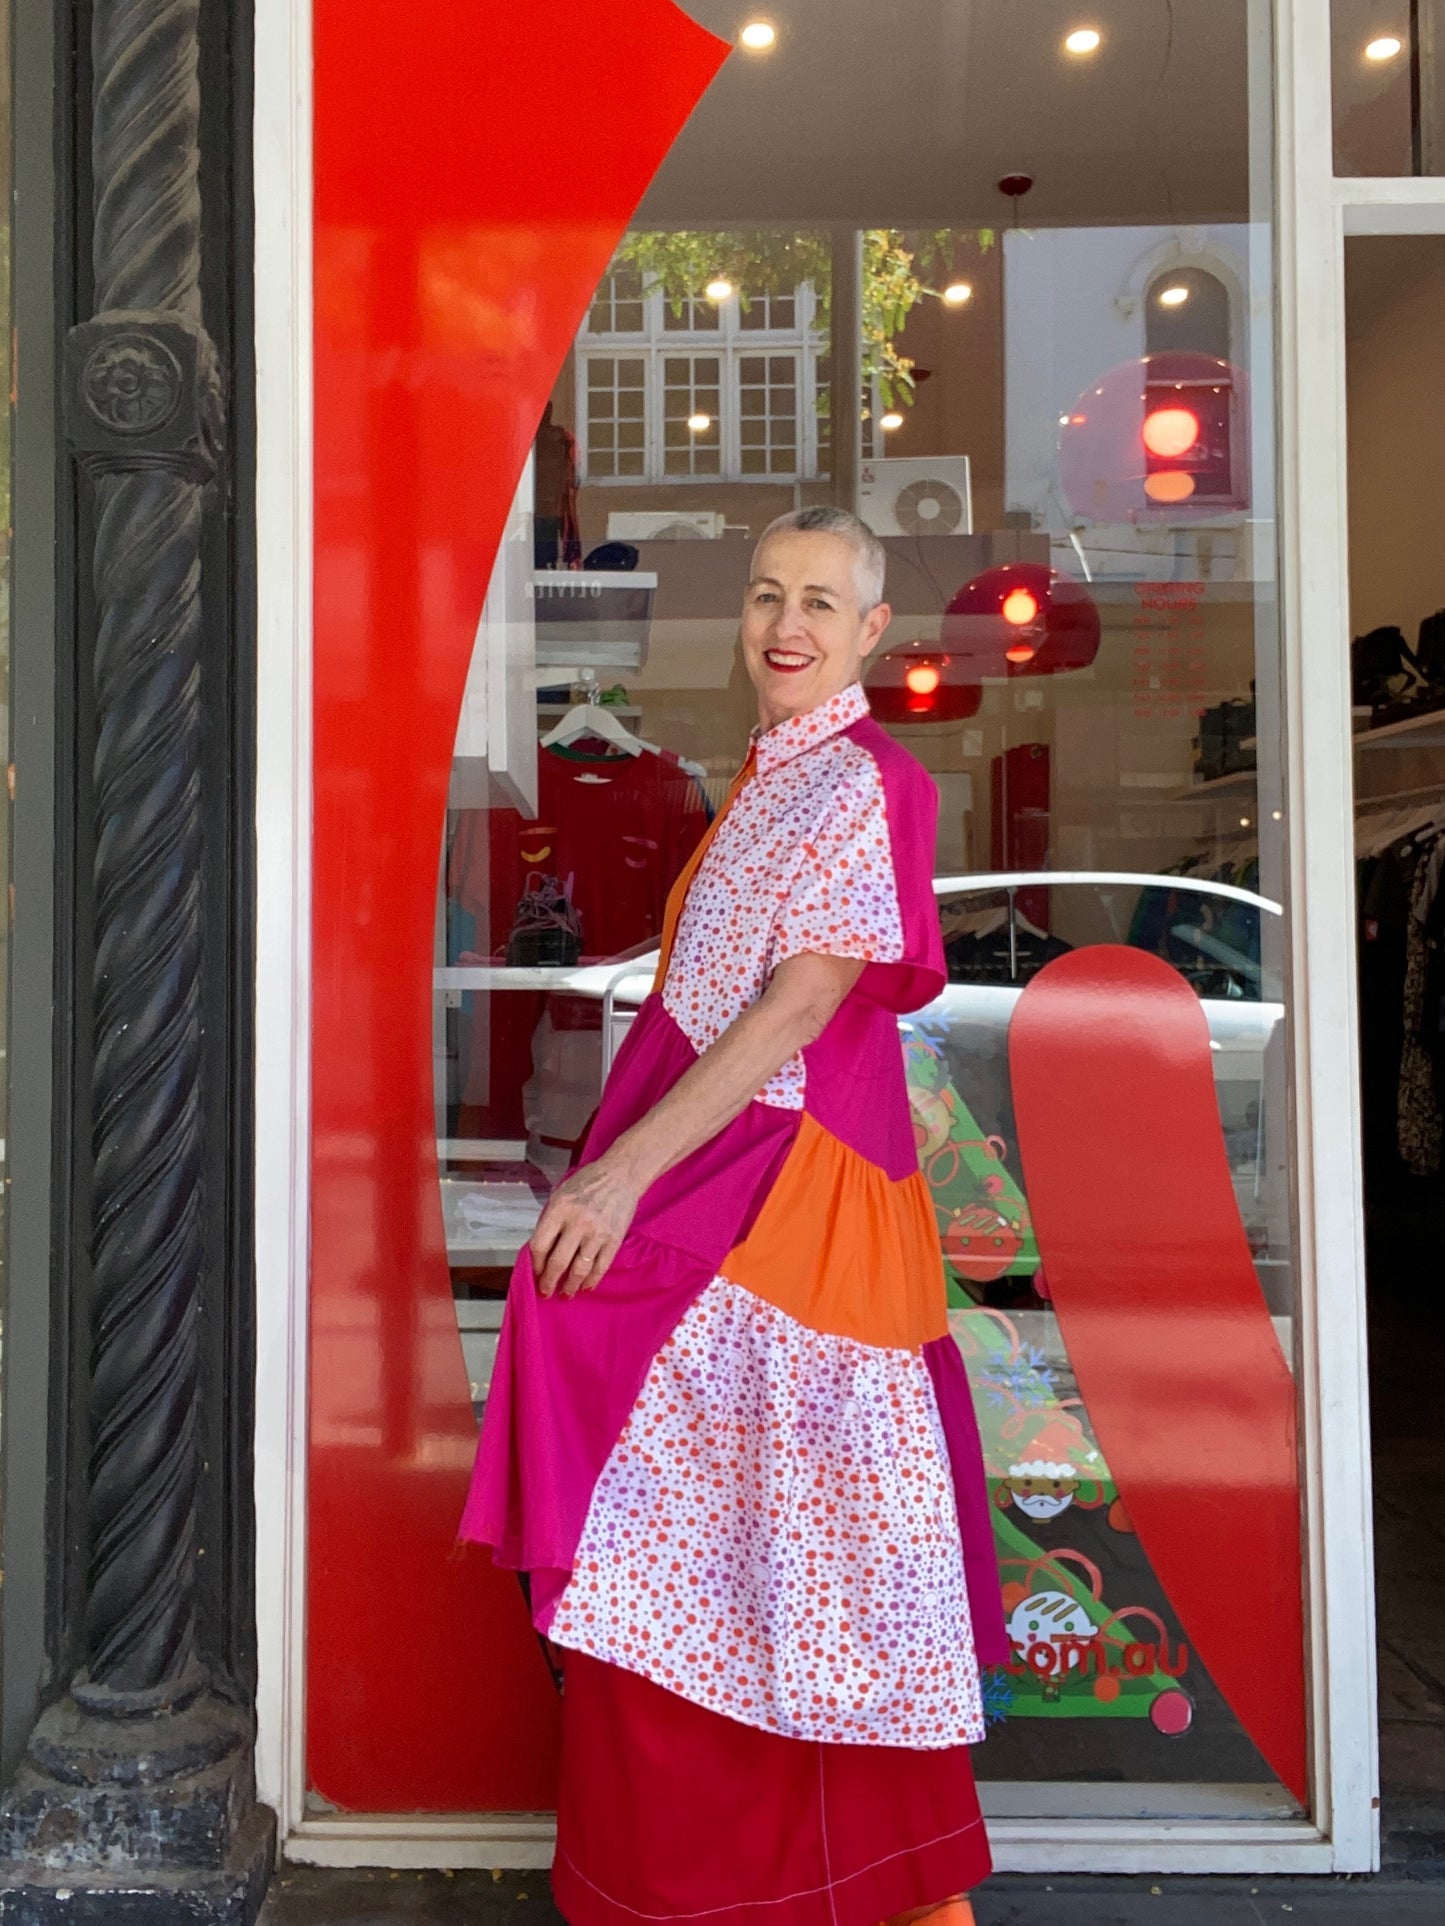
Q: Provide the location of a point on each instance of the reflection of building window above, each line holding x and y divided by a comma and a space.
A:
617, 306
1190, 386
768, 414
768, 312
691, 409
692, 316
756, 372
1187, 309
615, 415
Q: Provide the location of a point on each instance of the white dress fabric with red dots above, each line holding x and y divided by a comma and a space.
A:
774, 1537
800, 862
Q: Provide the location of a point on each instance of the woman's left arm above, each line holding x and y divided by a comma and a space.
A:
587, 1216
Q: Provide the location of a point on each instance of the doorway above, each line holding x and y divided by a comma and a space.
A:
1394, 289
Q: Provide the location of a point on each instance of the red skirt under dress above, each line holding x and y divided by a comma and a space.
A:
668, 1811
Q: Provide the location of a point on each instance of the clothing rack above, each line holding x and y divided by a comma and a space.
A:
1416, 809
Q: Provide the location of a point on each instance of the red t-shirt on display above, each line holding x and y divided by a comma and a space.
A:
621, 828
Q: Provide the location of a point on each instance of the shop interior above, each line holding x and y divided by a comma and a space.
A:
1054, 389
1396, 417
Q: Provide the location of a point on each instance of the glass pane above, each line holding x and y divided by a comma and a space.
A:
1388, 85
1055, 410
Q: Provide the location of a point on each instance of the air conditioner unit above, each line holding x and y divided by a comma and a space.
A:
664, 525
916, 495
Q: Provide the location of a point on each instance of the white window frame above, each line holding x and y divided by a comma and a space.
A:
731, 343
1313, 214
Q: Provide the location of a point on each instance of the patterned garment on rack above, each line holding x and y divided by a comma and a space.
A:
1420, 1123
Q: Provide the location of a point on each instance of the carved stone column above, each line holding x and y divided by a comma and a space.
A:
136, 1799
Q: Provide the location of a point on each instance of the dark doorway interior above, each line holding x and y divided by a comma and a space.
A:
1395, 295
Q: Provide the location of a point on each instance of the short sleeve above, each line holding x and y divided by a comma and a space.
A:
852, 889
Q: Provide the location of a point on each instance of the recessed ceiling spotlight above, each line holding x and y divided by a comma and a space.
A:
957, 292
1385, 47
758, 36
1083, 40
891, 420
1173, 297
719, 289
699, 424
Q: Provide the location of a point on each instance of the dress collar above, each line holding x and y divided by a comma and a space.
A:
785, 740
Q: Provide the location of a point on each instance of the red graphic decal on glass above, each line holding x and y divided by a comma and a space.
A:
474, 167
1167, 1329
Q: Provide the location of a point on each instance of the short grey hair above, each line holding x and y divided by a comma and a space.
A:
870, 558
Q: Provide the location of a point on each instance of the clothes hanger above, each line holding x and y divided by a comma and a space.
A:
591, 718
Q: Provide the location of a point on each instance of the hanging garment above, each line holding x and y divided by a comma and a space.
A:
744, 1472
1419, 1117
619, 829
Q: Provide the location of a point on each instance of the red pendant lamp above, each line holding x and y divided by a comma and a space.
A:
1021, 618
919, 682
1161, 439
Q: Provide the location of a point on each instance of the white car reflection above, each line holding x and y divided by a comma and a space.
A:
1239, 988
1225, 940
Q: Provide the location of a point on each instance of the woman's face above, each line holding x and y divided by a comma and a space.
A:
803, 634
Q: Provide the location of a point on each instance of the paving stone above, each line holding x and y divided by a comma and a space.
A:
324, 1898
1412, 1757
1404, 1694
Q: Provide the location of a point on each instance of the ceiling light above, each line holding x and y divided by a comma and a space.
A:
891, 420
1083, 40
1173, 297
1019, 607
758, 35
923, 678
719, 288
957, 292
699, 424
1384, 48
1020, 652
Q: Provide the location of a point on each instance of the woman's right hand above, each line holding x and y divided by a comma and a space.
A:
581, 1227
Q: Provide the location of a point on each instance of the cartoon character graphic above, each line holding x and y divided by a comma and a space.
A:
1076, 1652
1048, 1615
1056, 1468
983, 1216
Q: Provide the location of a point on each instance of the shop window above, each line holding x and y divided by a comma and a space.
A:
1084, 656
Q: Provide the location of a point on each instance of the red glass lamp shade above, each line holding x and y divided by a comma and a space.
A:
1158, 439
917, 682
1021, 618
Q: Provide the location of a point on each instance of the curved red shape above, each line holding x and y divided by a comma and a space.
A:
1164, 1320
475, 166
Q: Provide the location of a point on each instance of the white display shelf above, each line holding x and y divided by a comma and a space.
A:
1426, 731
1239, 782
481, 1150
591, 979
487, 1222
